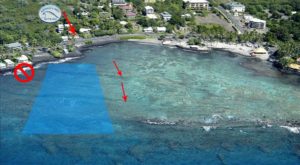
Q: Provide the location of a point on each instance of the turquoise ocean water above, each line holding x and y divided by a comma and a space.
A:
183, 108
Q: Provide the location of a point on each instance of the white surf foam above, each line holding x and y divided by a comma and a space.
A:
208, 128
295, 130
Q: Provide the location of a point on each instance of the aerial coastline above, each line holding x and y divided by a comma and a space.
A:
101, 41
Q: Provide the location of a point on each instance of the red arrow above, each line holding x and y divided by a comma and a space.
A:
72, 29
119, 71
124, 94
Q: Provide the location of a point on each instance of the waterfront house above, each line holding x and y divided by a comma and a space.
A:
15, 45
149, 10
161, 29
148, 30
118, 2
166, 16
9, 63
2, 65
260, 52
236, 7
22, 59
197, 4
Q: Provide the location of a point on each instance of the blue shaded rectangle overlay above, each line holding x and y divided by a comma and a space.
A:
70, 101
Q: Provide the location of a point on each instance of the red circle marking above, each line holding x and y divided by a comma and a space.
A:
27, 77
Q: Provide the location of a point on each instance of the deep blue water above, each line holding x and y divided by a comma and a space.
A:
172, 96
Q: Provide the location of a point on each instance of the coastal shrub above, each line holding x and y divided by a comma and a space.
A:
56, 54
286, 61
181, 36
161, 37
70, 48
88, 42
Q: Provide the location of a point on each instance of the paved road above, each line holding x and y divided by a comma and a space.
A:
236, 23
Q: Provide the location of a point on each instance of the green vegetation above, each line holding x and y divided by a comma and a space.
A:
216, 32
19, 22
132, 37
56, 54
88, 42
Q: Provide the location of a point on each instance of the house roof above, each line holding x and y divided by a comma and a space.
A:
23, 58
161, 28
148, 28
130, 14
257, 20
123, 22
84, 29
148, 7
8, 61
165, 14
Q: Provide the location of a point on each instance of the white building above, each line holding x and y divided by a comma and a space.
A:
60, 28
149, 10
197, 4
123, 23
2, 65
166, 16
148, 30
22, 59
84, 30
9, 63
161, 29
65, 38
